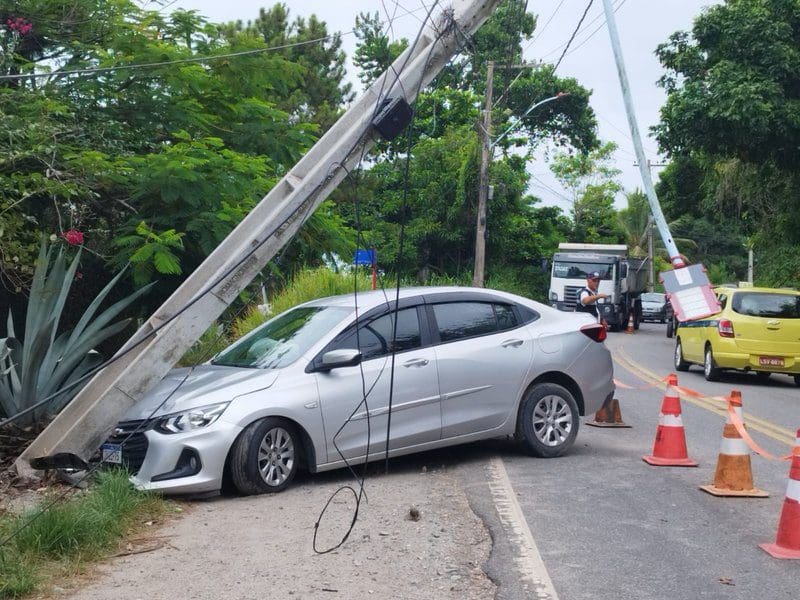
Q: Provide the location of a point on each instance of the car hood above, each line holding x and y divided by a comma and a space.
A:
203, 385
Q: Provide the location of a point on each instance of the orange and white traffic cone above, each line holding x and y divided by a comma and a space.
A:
630, 328
608, 416
787, 542
734, 475
669, 449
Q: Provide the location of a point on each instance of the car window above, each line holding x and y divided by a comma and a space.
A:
759, 304
653, 297
458, 320
579, 270
375, 336
282, 340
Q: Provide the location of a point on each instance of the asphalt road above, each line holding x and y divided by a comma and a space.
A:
608, 525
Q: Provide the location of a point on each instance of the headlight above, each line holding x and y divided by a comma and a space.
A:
553, 296
189, 420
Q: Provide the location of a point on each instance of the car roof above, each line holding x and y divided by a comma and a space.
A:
763, 290
373, 298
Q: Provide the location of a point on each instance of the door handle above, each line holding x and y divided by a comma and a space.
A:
512, 343
416, 362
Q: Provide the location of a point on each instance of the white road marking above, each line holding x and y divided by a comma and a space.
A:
528, 560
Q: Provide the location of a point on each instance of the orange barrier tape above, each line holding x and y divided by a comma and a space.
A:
739, 424
625, 386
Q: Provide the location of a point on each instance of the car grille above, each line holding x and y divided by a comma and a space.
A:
571, 296
134, 445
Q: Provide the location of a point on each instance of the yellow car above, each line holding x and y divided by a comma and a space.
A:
758, 330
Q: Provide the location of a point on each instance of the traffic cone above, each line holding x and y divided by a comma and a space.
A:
734, 476
608, 416
630, 328
669, 449
787, 542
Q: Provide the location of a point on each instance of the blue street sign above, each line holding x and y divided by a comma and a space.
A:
365, 257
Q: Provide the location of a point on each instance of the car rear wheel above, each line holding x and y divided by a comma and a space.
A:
264, 457
548, 420
710, 369
680, 364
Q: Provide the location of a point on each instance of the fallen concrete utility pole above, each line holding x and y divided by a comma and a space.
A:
76, 434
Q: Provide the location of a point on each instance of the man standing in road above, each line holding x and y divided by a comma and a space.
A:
588, 296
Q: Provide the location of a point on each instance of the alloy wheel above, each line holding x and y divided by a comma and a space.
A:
552, 420
276, 456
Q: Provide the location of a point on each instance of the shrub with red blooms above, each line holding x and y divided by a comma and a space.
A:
74, 237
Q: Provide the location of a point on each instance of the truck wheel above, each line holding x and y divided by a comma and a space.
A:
670, 328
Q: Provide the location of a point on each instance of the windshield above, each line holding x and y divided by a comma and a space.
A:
756, 304
578, 270
652, 297
282, 340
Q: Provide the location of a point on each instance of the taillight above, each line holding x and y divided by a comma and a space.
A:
725, 328
596, 332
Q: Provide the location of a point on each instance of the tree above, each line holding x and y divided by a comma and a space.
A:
374, 51
730, 124
592, 182
318, 95
180, 151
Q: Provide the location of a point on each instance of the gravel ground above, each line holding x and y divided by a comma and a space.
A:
415, 538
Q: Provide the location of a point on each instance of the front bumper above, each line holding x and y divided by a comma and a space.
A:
164, 454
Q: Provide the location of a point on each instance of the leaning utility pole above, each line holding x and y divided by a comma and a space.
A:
644, 169
483, 189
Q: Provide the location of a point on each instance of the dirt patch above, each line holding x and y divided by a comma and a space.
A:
415, 538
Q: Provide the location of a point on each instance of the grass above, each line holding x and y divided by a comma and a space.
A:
60, 536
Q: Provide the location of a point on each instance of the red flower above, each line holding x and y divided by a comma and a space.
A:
74, 237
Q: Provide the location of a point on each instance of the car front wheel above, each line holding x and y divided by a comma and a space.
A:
548, 420
680, 364
264, 457
710, 369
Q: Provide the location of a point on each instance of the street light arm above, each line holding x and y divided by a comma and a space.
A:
525, 114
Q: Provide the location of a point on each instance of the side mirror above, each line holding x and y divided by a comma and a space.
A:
334, 359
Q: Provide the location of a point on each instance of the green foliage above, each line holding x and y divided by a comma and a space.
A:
592, 182
83, 527
730, 123
374, 52
48, 361
151, 251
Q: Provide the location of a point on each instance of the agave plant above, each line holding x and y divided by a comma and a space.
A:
48, 363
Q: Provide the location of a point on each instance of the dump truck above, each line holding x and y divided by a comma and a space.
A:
623, 278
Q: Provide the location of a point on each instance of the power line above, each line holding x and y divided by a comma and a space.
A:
574, 33
598, 28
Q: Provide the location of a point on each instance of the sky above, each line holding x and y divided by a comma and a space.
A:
642, 25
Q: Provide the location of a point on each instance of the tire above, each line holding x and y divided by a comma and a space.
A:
680, 364
710, 369
265, 456
670, 328
548, 420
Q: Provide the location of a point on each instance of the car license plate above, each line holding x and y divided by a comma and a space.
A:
770, 361
112, 453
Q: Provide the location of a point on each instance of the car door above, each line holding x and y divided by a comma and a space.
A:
355, 400
483, 355
694, 334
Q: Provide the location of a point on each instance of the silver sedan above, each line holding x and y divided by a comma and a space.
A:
317, 387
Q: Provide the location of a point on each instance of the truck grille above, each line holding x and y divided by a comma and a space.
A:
134, 445
571, 296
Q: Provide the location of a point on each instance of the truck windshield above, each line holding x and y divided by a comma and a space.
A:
578, 270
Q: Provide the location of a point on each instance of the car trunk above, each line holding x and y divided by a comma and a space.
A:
767, 324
